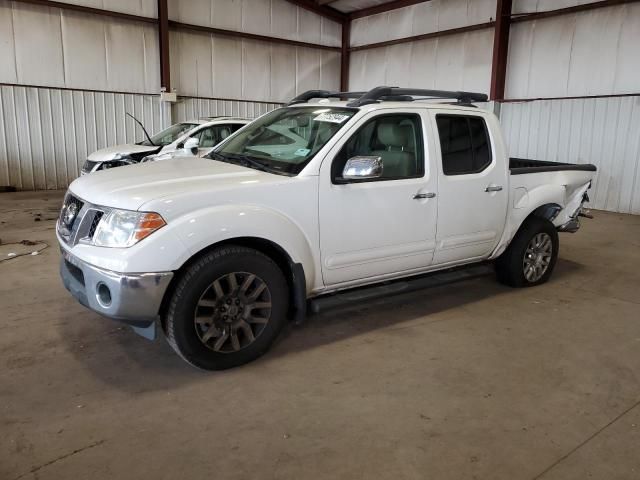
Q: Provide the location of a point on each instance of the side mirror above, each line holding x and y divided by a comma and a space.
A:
192, 144
362, 168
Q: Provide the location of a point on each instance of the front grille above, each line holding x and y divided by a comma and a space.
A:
69, 215
94, 224
88, 166
79, 220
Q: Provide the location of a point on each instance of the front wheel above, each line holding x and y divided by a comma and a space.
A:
530, 258
227, 308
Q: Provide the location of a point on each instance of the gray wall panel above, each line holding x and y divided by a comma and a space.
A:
456, 62
61, 48
426, 17
276, 18
46, 134
602, 131
581, 54
206, 65
189, 108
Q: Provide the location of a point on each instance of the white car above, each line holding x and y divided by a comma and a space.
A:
208, 132
222, 251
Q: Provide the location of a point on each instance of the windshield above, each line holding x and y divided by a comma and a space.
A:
170, 135
285, 140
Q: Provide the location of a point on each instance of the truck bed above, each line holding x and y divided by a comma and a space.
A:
520, 166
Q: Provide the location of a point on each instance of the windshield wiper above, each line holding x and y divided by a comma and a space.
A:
244, 161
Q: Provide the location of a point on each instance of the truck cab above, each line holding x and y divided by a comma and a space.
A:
314, 198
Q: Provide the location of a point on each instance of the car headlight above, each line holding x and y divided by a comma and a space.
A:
118, 160
124, 228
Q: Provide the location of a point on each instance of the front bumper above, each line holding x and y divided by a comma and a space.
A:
131, 298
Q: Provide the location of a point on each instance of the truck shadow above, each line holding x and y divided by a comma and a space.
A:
352, 320
123, 360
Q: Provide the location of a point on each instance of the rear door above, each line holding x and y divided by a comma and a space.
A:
472, 186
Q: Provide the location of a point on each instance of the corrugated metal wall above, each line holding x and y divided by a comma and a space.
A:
588, 53
602, 131
205, 65
426, 17
459, 62
190, 108
60, 48
46, 133
274, 18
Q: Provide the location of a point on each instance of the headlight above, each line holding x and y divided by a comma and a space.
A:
118, 160
124, 228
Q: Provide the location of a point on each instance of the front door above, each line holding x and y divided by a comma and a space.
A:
472, 187
382, 226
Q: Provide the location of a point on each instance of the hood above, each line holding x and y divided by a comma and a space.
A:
107, 154
132, 186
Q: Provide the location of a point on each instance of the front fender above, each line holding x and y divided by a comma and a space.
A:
205, 227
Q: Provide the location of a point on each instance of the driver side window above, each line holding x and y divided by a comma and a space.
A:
396, 139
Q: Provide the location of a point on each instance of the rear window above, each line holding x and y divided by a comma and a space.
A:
464, 142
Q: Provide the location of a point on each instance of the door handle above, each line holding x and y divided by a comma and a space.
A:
493, 188
422, 196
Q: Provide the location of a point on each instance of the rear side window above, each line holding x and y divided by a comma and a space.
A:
464, 143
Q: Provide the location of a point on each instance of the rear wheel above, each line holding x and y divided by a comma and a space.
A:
531, 257
227, 309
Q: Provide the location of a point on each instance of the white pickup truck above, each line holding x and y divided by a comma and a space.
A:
222, 251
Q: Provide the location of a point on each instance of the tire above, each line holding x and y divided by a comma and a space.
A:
204, 309
535, 238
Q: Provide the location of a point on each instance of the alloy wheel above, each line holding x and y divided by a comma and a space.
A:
537, 257
233, 312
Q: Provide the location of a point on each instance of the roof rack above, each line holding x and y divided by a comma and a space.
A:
396, 94
309, 94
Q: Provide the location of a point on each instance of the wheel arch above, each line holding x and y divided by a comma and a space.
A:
548, 211
294, 272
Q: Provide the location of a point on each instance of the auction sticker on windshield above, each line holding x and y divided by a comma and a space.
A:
331, 117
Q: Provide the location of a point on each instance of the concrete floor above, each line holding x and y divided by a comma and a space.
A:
470, 381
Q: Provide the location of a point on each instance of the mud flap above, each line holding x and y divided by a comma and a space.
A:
150, 332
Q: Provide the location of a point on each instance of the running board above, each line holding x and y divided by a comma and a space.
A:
396, 287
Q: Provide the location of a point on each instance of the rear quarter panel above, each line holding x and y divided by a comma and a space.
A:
532, 190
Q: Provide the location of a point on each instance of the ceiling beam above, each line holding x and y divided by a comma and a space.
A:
250, 36
322, 10
424, 36
384, 7
90, 10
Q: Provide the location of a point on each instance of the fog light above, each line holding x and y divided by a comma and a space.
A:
104, 294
